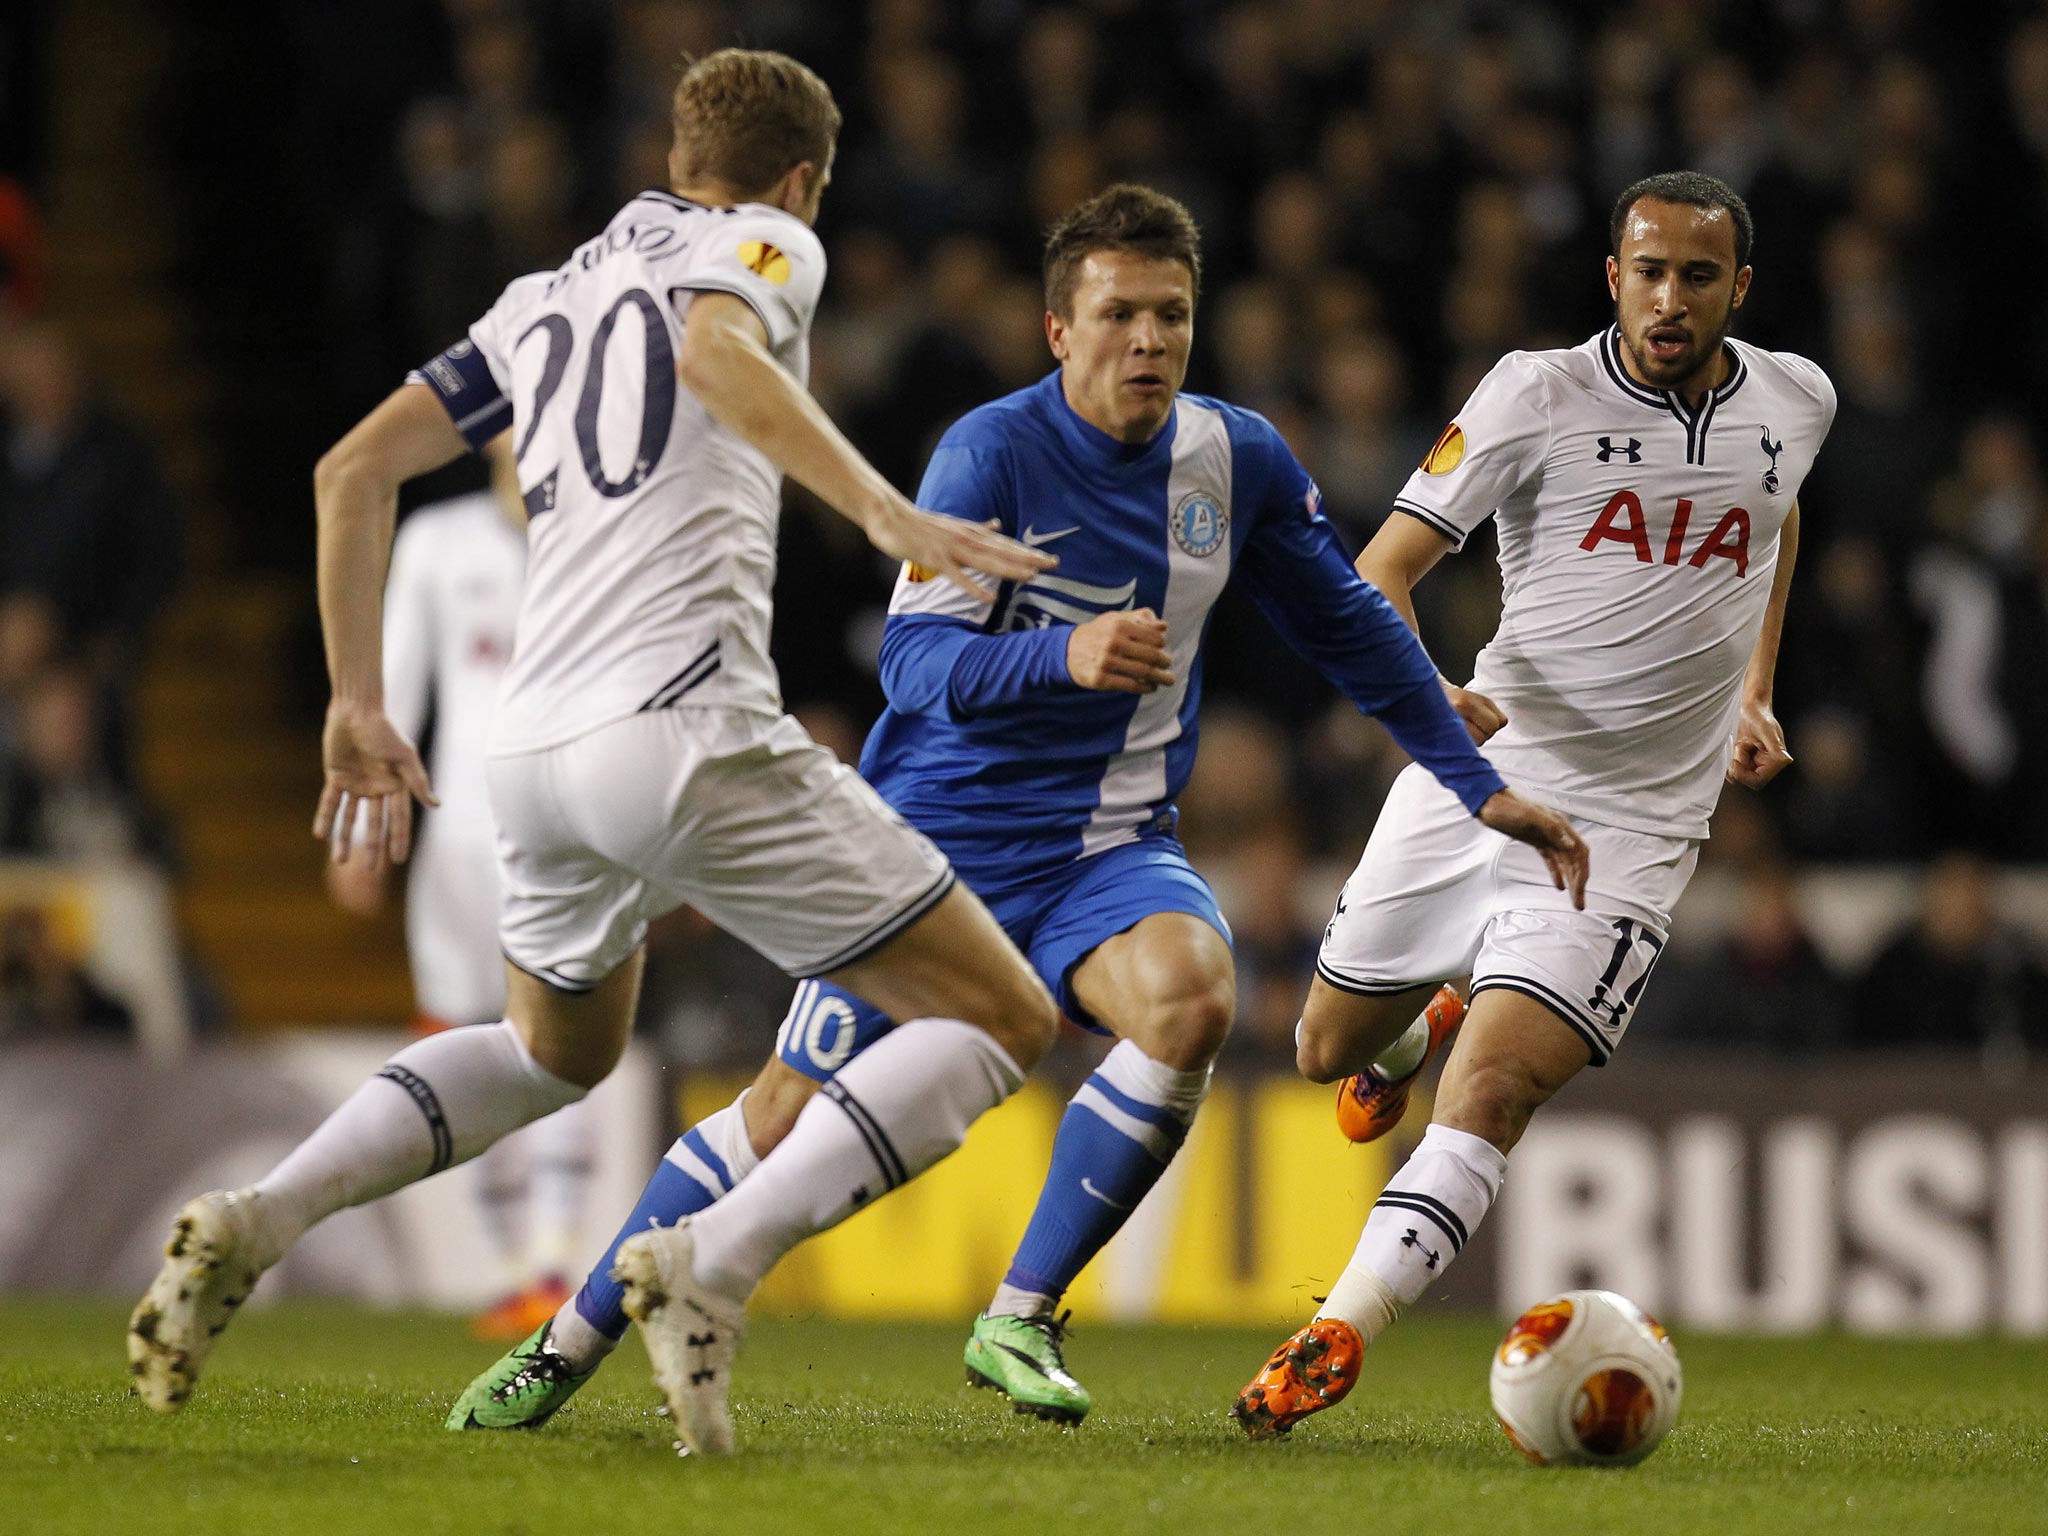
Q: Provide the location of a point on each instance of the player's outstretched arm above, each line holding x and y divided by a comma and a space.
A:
1394, 560
355, 493
726, 364
1759, 755
1564, 852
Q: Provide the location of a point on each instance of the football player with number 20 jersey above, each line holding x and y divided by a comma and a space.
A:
653, 387
1040, 739
1645, 490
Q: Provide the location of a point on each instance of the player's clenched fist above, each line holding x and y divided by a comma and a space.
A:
1759, 755
1481, 715
1121, 653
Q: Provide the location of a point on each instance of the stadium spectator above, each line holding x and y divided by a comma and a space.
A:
59, 799
24, 257
87, 525
90, 535
43, 993
1764, 987
1961, 978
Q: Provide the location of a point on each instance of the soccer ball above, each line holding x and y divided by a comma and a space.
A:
1586, 1379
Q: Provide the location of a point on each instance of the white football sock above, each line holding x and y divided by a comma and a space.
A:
438, 1102
725, 1132
561, 1156
1406, 1053
1418, 1225
892, 1112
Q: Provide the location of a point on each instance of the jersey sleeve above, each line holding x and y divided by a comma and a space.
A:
473, 378
771, 260
1496, 444
1811, 375
1295, 569
969, 479
409, 628
937, 655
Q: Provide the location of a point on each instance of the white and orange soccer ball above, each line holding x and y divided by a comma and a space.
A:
1586, 1379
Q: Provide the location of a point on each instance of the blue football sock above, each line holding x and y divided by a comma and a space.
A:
1116, 1138
690, 1178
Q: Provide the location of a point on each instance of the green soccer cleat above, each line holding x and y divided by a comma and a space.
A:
522, 1391
1020, 1357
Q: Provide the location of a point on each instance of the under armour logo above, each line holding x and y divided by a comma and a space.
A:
1633, 448
703, 1373
1413, 1239
1771, 474
861, 1196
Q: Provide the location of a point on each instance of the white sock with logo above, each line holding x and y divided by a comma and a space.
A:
892, 1112
438, 1102
1419, 1224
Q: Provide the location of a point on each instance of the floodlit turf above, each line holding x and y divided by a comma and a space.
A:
318, 1418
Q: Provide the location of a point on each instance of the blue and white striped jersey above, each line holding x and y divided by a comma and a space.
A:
991, 749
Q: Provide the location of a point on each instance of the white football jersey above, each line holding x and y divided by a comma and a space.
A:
652, 527
451, 609
1638, 538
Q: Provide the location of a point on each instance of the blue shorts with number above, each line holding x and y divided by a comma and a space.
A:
1058, 921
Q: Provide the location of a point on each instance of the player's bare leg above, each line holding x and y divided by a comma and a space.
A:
974, 1017
1511, 1056
1374, 1046
438, 1102
1166, 987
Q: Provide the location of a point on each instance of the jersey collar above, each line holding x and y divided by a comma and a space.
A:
1096, 444
1664, 399
1694, 418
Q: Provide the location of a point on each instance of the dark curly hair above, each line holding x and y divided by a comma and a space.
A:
1694, 188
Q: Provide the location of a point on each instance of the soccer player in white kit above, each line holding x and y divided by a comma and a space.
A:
1644, 486
451, 606
640, 758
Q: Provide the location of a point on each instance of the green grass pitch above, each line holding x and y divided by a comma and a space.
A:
320, 1418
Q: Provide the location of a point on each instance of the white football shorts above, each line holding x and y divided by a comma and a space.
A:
736, 813
1437, 894
451, 922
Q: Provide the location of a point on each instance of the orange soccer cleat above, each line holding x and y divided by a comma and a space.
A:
1369, 1105
1310, 1372
520, 1313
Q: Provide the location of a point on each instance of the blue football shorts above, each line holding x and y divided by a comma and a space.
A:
1057, 920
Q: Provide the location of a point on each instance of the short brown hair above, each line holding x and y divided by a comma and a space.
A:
1124, 217
745, 117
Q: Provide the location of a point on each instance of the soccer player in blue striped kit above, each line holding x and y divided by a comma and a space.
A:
1040, 741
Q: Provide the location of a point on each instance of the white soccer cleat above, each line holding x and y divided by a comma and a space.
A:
210, 1266
691, 1333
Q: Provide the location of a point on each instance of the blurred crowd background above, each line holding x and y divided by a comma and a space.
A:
224, 236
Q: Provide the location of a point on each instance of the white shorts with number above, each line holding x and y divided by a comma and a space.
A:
738, 814
1437, 895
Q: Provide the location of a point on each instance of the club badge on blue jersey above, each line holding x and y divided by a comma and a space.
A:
1200, 524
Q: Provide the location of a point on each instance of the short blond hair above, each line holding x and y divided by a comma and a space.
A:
746, 117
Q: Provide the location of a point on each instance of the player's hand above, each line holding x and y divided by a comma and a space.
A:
356, 887
1760, 754
1481, 715
960, 551
369, 763
1120, 653
1564, 852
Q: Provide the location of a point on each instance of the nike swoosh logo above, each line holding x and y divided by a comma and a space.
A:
1010, 1349
1034, 538
1088, 1188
